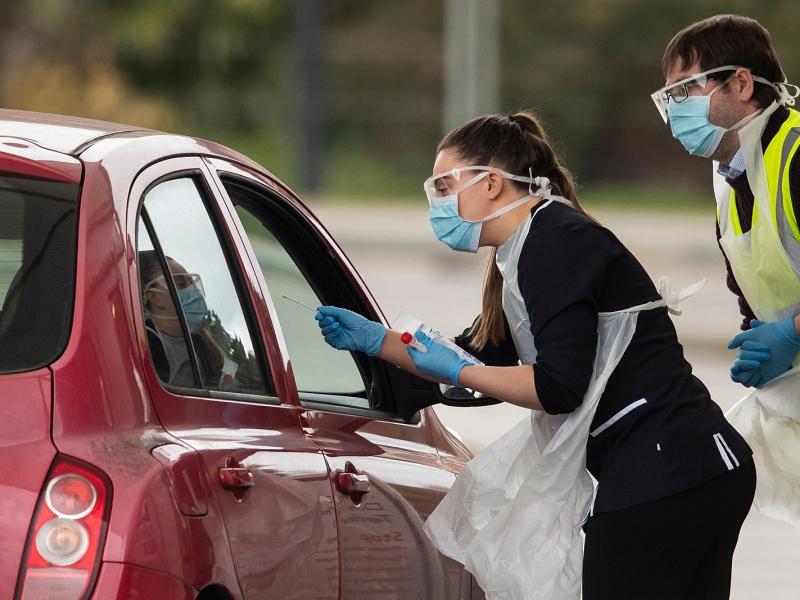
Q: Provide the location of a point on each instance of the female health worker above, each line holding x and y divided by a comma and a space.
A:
675, 480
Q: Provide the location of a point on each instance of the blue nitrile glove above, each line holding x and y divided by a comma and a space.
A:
747, 377
746, 367
782, 342
439, 362
345, 330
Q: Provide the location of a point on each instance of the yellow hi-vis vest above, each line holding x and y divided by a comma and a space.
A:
777, 159
765, 260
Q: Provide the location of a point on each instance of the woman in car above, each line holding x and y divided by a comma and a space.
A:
676, 481
165, 333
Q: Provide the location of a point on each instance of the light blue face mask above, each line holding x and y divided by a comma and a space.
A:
194, 307
455, 231
690, 124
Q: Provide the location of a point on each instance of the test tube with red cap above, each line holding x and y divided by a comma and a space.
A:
410, 340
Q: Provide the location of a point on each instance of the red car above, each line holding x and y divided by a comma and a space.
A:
172, 423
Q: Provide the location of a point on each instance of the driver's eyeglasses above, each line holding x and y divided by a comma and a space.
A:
182, 281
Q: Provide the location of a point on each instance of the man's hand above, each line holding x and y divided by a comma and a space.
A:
766, 351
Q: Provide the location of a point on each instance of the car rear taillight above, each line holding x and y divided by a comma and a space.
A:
65, 542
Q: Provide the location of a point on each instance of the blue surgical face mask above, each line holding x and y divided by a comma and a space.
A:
449, 227
458, 233
690, 124
193, 305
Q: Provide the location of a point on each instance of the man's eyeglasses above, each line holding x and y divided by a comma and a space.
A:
681, 90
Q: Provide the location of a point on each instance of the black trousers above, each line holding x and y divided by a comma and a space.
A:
675, 548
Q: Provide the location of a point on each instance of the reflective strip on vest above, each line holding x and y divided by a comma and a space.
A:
777, 158
784, 209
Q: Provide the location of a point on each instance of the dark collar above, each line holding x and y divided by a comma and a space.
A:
774, 123
536, 208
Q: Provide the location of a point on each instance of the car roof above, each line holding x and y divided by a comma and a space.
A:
68, 135
72, 136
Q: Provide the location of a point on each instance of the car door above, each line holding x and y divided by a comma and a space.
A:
218, 386
366, 416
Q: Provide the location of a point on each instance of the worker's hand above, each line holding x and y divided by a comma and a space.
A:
746, 369
748, 378
439, 362
779, 340
345, 330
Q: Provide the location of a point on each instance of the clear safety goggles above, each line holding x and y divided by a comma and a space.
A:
454, 181
696, 84
182, 281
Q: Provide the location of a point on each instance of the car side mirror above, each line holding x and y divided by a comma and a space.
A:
458, 396
411, 394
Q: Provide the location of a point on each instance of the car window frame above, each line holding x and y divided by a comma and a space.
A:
55, 174
385, 378
328, 288
195, 169
366, 366
419, 395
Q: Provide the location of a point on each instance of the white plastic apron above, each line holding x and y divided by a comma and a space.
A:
759, 262
513, 515
768, 418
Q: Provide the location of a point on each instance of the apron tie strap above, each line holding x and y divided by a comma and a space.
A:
672, 300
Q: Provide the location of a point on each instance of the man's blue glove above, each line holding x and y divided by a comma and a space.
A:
779, 339
345, 330
439, 362
746, 368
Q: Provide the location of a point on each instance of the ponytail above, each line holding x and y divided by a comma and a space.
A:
514, 143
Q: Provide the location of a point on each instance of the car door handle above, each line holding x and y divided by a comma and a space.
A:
352, 483
235, 478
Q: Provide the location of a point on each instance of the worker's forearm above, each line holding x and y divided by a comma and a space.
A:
394, 351
514, 385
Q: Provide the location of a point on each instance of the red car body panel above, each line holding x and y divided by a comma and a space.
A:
26, 158
174, 529
382, 542
60, 133
118, 581
25, 401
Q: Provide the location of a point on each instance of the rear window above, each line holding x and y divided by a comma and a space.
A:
37, 270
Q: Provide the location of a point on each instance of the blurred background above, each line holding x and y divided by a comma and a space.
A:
345, 100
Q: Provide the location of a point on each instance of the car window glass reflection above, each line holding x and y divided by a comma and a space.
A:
213, 314
168, 347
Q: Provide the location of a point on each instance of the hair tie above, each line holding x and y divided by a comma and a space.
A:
513, 120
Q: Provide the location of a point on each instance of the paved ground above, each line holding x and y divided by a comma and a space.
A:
407, 269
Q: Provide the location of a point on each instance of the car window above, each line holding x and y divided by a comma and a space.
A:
37, 270
317, 367
169, 349
181, 261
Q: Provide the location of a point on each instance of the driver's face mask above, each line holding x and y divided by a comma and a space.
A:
191, 296
442, 191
